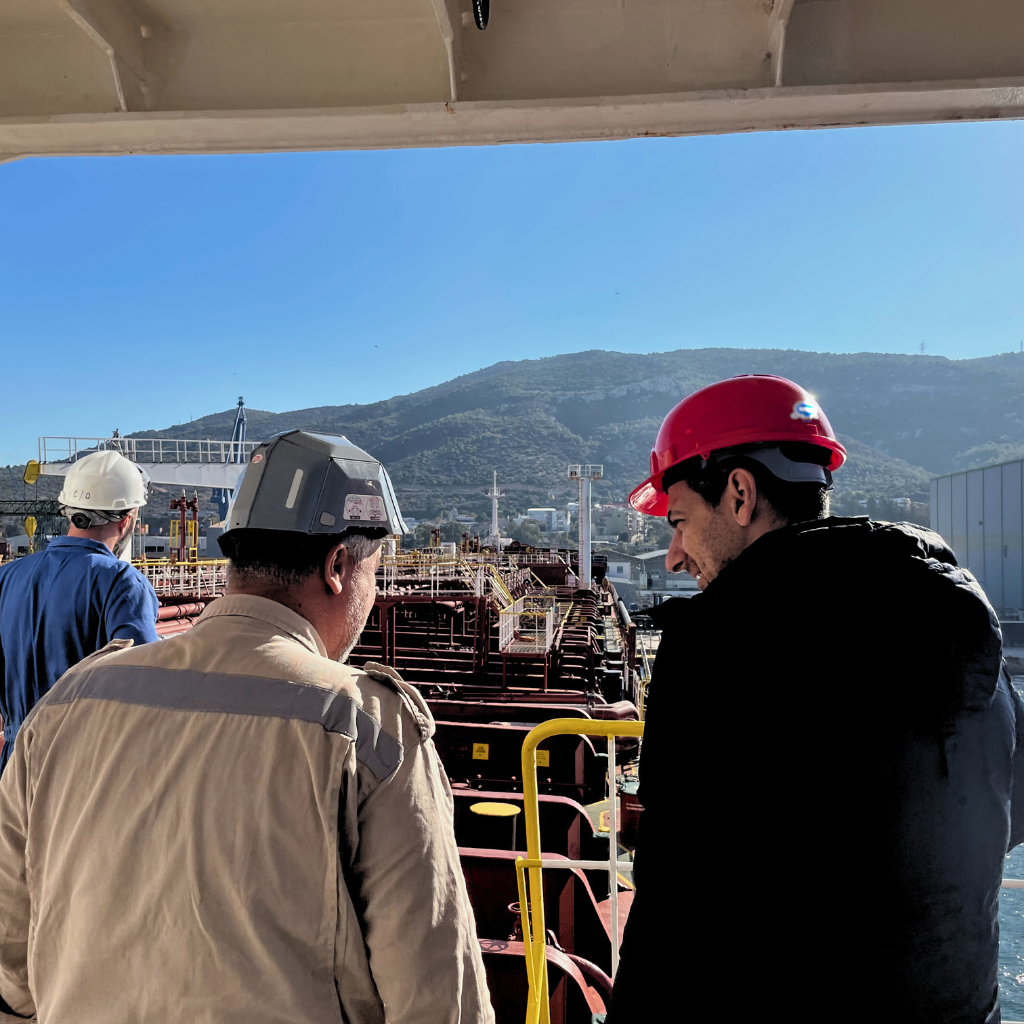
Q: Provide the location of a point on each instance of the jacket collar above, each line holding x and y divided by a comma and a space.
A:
85, 543
273, 613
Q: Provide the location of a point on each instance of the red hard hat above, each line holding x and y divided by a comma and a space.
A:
751, 409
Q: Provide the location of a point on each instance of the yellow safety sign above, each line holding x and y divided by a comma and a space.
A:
481, 751
543, 758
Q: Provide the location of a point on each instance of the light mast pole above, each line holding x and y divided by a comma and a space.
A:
494, 494
585, 558
585, 475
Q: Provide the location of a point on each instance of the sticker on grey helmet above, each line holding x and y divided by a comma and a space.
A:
364, 508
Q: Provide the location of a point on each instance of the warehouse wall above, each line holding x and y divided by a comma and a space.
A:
979, 514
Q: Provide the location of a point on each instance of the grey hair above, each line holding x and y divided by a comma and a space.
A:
360, 547
281, 558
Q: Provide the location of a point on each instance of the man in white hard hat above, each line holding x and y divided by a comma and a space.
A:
233, 825
78, 594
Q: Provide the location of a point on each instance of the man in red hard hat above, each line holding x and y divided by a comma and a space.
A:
828, 768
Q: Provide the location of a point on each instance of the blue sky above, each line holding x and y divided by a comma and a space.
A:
137, 292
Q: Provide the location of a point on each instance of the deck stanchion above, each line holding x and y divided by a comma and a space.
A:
613, 856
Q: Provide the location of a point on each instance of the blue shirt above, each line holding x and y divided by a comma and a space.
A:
57, 607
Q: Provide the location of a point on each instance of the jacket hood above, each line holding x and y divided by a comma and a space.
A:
897, 540
851, 586
853, 543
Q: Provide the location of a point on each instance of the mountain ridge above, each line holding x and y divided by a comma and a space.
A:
903, 416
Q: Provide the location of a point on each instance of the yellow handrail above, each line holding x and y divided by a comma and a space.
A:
423, 559
163, 563
499, 584
538, 1010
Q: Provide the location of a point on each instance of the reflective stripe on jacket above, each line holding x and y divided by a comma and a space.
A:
228, 826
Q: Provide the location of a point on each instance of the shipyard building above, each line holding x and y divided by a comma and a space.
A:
978, 514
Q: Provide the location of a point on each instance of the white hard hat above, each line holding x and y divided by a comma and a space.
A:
105, 481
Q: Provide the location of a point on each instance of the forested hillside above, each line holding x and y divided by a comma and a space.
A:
902, 417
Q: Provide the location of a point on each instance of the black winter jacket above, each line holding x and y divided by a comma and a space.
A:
827, 776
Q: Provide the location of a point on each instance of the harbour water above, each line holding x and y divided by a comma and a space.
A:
1011, 940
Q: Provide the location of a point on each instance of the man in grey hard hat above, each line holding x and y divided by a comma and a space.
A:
232, 825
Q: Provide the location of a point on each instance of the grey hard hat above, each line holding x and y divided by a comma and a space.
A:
314, 483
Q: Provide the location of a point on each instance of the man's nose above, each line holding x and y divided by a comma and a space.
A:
676, 559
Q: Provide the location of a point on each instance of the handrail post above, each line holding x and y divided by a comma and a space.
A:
613, 857
537, 1007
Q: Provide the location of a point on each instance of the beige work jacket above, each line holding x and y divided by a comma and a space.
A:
227, 826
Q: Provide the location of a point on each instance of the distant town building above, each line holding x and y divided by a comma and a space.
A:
158, 545
642, 580
153, 545
546, 518
19, 544
612, 520
658, 584
620, 568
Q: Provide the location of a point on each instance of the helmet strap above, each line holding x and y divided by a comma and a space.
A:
85, 519
778, 465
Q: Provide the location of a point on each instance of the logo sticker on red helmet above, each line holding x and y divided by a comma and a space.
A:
805, 411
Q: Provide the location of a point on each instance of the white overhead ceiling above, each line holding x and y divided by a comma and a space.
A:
175, 76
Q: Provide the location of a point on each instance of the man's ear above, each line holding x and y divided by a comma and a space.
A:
336, 568
741, 495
